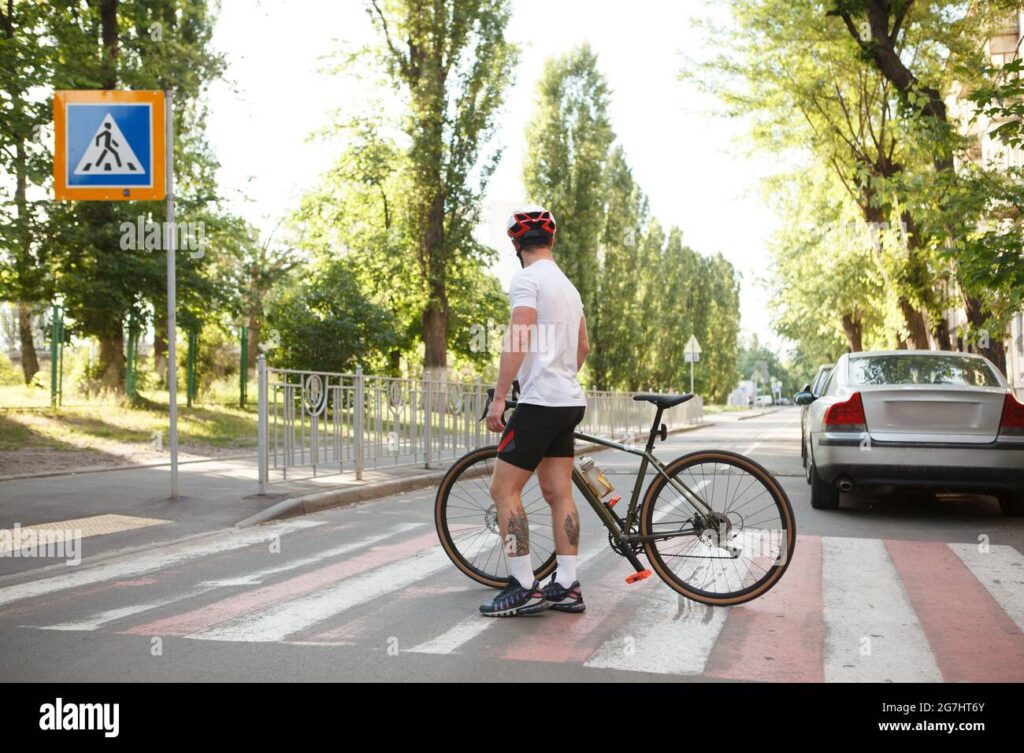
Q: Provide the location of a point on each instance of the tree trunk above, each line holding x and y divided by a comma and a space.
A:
160, 345
917, 325
255, 338
987, 344
435, 329
29, 359
941, 335
853, 329
112, 364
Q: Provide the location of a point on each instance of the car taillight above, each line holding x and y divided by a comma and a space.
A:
1012, 421
847, 415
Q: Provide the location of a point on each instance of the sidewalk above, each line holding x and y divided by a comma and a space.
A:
215, 494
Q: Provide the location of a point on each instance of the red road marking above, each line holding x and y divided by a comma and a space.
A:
972, 638
780, 636
239, 605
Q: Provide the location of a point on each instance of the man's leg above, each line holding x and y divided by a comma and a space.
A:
555, 475
506, 486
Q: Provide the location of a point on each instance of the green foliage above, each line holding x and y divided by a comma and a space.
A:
451, 63
325, 322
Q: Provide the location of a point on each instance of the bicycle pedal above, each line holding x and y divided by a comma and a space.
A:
613, 501
638, 576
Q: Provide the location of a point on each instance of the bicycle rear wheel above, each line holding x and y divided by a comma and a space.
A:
736, 552
467, 522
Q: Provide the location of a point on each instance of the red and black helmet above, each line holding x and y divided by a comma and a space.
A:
531, 224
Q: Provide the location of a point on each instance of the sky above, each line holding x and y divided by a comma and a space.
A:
691, 163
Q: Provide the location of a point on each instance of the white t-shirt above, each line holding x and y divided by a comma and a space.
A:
548, 373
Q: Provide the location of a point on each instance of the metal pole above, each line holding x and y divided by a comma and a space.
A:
172, 323
691, 376
261, 441
358, 423
54, 355
243, 381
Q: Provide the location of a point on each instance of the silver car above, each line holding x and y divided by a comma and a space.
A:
815, 387
913, 418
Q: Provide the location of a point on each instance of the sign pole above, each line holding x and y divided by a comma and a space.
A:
691, 377
172, 324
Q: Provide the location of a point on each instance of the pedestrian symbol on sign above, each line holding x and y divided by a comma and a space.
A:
109, 152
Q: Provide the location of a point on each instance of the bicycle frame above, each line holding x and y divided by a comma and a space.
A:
620, 527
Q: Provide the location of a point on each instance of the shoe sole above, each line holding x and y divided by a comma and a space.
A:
528, 609
574, 608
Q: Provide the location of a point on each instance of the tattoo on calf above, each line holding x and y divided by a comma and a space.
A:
519, 532
572, 528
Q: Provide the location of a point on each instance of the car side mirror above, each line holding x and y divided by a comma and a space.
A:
806, 397
806, 387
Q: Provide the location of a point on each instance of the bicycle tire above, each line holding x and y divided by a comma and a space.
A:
472, 465
657, 557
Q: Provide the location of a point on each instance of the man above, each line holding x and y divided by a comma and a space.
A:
546, 345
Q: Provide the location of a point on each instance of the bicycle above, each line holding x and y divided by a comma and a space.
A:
727, 547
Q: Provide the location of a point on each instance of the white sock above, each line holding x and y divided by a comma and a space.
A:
566, 574
521, 569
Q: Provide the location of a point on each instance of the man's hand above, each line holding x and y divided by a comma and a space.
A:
495, 414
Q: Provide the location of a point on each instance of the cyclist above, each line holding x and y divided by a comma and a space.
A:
546, 344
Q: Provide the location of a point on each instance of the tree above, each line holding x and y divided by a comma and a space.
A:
615, 319
164, 44
324, 322
28, 60
951, 37
451, 62
568, 148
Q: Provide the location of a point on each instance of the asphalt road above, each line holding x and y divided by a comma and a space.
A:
896, 588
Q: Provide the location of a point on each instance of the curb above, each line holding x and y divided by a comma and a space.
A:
105, 468
310, 503
757, 415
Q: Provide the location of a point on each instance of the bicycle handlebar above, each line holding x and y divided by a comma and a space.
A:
510, 403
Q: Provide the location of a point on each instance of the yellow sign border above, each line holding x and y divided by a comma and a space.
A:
63, 192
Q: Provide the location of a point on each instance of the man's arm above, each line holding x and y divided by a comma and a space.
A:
582, 344
513, 351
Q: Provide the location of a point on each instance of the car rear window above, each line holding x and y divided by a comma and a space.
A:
922, 369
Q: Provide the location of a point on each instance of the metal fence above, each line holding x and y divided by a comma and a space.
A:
317, 423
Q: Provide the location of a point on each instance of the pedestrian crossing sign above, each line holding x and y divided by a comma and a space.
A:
109, 145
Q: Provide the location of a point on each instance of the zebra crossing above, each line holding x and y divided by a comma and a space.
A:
847, 609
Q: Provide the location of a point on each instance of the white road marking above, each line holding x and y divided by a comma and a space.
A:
134, 564
662, 636
1001, 571
97, 621
296, 615
871, 631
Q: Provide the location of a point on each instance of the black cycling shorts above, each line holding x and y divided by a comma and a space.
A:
535, 432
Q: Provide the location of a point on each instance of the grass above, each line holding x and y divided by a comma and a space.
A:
99, 424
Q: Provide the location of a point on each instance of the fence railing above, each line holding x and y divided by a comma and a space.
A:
315, 423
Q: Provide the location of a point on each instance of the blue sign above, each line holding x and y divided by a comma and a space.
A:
109, 145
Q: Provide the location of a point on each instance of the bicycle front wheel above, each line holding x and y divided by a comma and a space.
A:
467, 521
734, 551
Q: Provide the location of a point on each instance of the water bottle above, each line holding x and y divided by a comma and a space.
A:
594, 476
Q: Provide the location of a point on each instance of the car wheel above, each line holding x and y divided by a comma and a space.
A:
808, 471
1012, 503
824, 496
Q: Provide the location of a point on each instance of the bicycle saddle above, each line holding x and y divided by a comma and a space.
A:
663, 401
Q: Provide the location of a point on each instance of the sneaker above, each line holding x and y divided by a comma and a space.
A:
564, 599
515, 600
